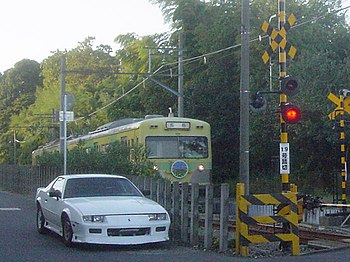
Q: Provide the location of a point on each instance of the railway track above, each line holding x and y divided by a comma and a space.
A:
305, 234
308, 235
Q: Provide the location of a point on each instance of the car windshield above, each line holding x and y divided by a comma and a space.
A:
99, 186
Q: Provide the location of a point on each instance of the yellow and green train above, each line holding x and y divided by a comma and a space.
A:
179, 148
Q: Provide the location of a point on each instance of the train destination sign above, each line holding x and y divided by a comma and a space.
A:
178, 125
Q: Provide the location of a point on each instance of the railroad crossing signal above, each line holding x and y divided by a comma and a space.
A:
291, 114
289, 86
338, 109
278, 39
343, 105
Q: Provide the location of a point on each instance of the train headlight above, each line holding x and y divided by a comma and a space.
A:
155, 168
201, 167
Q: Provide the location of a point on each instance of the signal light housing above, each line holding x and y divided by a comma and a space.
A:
291, 114
259, 104
289, 86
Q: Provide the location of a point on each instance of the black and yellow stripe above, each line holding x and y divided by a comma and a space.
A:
283, 98
288, 201
342, 149
278, 38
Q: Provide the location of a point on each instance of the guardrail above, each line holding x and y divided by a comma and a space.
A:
188, 205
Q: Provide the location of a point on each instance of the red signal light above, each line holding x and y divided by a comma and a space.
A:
291, 114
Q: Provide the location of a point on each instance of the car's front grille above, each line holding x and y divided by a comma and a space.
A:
125, 232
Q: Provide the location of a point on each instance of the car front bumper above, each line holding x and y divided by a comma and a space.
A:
122, 230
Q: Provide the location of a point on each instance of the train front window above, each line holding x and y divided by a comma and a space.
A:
177, 147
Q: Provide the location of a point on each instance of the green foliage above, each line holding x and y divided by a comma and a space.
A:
211, 31
140, 165
17, 93
115, 160
50, 159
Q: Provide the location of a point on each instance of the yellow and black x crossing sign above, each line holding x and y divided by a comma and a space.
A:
278, 39
336, 100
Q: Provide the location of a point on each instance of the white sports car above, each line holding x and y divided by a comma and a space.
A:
100, 209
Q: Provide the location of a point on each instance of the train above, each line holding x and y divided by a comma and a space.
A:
179, 148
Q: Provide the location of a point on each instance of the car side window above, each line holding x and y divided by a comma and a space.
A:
58, 185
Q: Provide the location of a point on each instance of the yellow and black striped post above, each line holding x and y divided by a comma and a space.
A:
243, 220
343, 106
342, 149
283, 98
283, 101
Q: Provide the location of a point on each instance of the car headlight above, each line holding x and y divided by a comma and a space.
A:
98, 219
161, 216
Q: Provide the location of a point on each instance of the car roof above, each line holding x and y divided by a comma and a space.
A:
89, 175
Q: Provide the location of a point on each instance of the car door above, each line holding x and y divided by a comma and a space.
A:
53, 202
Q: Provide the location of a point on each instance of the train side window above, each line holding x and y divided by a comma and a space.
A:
124, 140
96, 147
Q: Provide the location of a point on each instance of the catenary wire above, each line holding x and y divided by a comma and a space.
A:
192, 59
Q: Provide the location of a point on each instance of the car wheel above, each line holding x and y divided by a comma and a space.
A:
67, 231
40, 220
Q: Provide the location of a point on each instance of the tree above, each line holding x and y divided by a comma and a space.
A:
211, 32
147, 98
17, 92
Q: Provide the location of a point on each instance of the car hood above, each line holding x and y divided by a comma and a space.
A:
114, 205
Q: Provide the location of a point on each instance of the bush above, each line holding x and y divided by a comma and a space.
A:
118, 159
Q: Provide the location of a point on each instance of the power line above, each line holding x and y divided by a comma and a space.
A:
116, 100
259, 38
192, 59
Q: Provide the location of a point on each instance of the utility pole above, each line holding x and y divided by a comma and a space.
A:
180, 78
63, 108
63, 92
14, 148
179, 92
244, 98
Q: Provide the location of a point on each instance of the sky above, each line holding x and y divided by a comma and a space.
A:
32, 29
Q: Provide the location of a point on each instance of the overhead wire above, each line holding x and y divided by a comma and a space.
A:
120, 97
259, 38
195, 58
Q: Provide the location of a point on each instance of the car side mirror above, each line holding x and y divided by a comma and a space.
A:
56, 194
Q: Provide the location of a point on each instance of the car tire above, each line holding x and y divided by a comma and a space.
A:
40, 220
67, 231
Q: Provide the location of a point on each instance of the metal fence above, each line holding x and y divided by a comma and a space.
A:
200, 215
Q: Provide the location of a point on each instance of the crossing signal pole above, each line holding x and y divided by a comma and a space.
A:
288, 86
342, 149
283, 97
289, 114
342, 103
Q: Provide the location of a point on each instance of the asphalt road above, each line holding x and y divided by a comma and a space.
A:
19, 241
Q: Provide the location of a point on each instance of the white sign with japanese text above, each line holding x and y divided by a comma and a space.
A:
69, 116
284, 158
